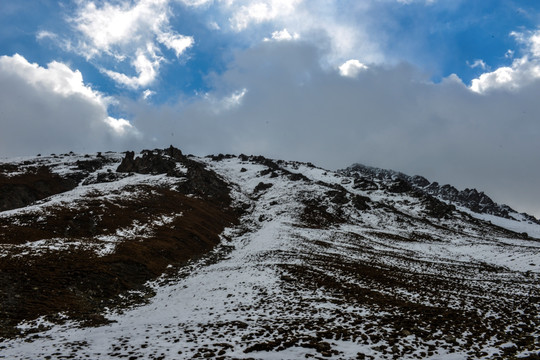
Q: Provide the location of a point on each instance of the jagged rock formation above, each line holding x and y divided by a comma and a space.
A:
398, 182
152, 162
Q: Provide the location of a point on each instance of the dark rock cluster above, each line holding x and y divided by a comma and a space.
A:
431, 192
152, 162
197, 180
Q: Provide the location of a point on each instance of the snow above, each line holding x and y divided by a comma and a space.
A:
218, 305
519, 225
75, 199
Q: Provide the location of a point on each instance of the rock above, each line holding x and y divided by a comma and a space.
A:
297, 177
361, 202
239, 324
450, 339
437, 208
90, 165
400, 186
262, 187
397, 182
419, 181
264, 346
287, 278
150, 163
204, 183
364, 184
337, 197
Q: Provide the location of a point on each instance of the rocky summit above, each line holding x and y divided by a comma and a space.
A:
162, 255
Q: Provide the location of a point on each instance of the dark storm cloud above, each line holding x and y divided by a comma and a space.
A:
391, 117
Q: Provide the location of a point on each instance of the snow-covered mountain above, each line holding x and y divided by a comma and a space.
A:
160, 255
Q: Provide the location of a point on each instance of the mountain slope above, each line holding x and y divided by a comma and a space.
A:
307, 263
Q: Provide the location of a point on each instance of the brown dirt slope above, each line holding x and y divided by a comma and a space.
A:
75, 280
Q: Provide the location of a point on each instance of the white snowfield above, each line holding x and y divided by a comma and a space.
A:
282, 289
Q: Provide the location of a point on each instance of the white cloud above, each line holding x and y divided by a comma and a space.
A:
218, 104
46, 35
51, 108
121, 126
113, 33
57, 77
504, 77
176, 42
116, 25
128, 30
284, 35
147, 94
261, 11
340, 34
147, 71
389, 116
351, 68
235, 99
407, 2
522, 71
214, 25
478, 63
530, 39
196, 3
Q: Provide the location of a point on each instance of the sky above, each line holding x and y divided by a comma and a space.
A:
447, 89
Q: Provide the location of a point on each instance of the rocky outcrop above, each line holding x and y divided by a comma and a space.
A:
366, 178
197, 180
151, 162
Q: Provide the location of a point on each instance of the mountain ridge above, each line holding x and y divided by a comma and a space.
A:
475, 200
239, 257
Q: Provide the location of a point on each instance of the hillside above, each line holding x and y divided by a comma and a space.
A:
162, 255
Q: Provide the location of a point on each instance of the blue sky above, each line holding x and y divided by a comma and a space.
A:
446, 89
439, 37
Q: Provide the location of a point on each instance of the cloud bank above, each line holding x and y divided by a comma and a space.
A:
394, 117
52, 110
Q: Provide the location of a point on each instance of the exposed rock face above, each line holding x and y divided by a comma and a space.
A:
364, 184
90, 165
400, 186
261, 187
432, 192
435, 207
361, 202
197, 180
204, 183
151, 162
